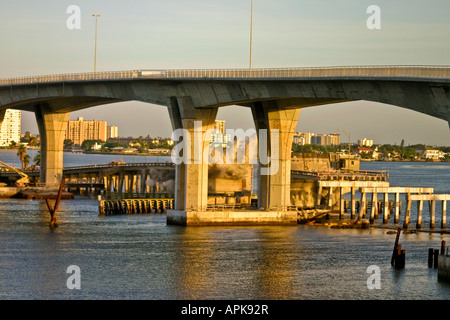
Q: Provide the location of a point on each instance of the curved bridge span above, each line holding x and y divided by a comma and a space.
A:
275, 97
420, 88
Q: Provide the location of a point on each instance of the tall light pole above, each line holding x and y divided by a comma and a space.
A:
348, 135
95, 55
251, 38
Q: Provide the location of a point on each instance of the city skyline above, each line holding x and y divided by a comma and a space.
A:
205, 34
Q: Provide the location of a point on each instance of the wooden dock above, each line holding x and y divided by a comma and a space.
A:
135, 203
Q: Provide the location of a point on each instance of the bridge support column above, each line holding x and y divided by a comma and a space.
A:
278, 123
191, 175
52, 129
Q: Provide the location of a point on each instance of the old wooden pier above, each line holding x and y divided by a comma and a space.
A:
132, 203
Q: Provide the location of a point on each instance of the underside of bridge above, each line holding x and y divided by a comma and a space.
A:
275, 107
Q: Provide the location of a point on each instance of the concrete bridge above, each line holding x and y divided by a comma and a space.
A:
112, 177
275, 97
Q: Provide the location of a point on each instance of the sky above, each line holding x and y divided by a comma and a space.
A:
182, 34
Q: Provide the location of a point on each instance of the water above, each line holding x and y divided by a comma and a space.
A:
140, 257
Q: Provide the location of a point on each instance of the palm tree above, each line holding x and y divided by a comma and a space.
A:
26, 161
37, 159
32, 141
21, 153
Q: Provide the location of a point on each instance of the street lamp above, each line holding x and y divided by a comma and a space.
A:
348, 135
95, 55
251, 37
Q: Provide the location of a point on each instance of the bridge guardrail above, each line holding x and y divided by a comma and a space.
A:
303, 72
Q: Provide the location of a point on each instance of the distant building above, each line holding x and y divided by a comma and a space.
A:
365, 142
112, 132
360, 150
433, 154
96, 146
313, 138
219, 136
326, 139
302, 138
219, 125
129, 141
10, 127
80, 130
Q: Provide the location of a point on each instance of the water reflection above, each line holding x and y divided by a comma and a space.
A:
235, 262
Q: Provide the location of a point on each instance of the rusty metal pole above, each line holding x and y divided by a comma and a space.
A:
394, 253
53, 222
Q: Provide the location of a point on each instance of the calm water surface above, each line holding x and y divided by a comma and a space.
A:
140, 257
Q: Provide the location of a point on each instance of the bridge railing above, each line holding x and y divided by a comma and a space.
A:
125, 165
263, 73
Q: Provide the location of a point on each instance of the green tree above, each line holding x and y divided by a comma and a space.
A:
87, 144
68, 143
37, 159
32, 142
26, 161
21, 153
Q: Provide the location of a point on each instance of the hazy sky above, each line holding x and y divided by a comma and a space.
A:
147, 34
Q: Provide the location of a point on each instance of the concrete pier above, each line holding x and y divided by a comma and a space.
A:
432, 198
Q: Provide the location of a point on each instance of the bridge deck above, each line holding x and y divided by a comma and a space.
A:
411, 72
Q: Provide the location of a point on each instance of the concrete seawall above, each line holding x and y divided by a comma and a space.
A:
8, 192
32, 193
235, 218
444, 268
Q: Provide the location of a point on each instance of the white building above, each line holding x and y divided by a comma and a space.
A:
365, 142
112, 132
219, 136
10, 127
433, 154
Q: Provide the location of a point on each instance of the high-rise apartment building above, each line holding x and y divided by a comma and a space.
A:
313, 138
10, 127
112, 132
80, 130
326, 139
365, 142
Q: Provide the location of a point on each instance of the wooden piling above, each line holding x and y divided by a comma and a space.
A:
444, 214
408, 211
395, 251
353, 205
432, 214
374, 207
363, 206
430, 257
341, 203
386, 208
397, 207
419, 214
443, 247
401, 259
436, 258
